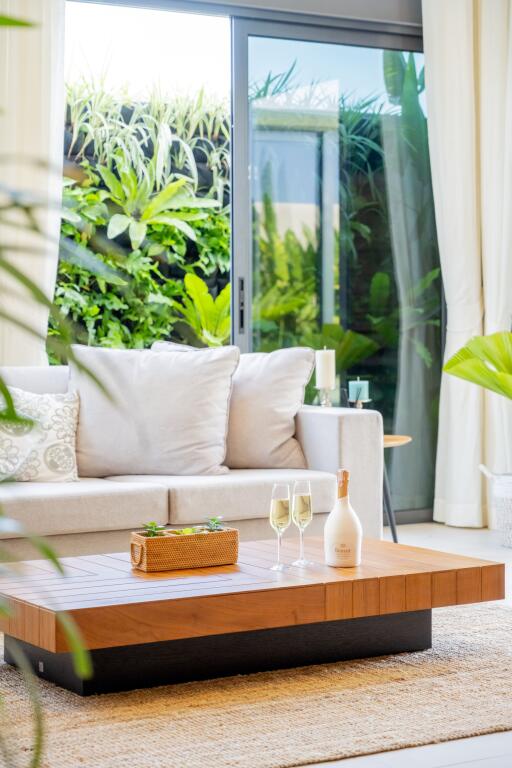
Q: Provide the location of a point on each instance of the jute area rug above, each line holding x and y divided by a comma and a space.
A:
462, 687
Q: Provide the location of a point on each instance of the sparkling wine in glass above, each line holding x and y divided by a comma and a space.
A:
280, 517
302, 513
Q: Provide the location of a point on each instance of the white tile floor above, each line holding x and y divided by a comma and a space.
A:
492, 751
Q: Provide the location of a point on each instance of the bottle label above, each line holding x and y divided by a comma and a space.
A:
343, 549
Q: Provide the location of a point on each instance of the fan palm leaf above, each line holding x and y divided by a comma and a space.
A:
487, 361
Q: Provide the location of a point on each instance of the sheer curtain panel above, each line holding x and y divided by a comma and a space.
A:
31, 141
469, 96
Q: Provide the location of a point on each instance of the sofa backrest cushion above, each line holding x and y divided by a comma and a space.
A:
39, 379
268, 391
166, 413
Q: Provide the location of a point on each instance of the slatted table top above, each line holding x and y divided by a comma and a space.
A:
115, 605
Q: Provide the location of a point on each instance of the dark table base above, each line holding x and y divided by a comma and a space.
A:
201, 658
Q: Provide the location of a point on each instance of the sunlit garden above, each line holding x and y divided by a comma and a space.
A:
147, 192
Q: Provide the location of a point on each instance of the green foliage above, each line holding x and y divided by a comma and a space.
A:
419, 309
102, 123
136, 221
125, 298
143, 204
351, 348
487, 361
208, 318
127, 303
360, 148
153, 529
214, 523
274, 84
185, 531
11, 21
213, 243
284, 296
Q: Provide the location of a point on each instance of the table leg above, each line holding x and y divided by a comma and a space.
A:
388, 506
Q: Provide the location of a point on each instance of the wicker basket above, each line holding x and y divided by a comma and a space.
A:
500, 503
194, 550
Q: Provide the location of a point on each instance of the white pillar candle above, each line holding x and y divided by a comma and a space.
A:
325, 369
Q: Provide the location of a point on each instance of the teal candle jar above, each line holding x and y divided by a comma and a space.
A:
358, 389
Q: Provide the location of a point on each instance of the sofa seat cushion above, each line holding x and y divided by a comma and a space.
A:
87, 505
242, 494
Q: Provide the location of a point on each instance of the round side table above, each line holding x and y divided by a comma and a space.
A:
392, 441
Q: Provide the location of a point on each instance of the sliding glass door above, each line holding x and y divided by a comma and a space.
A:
334, 237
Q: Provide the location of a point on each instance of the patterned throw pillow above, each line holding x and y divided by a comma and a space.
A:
45, 450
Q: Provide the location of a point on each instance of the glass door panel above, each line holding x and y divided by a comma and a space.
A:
343, 239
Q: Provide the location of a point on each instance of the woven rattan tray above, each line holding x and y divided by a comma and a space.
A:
170, 552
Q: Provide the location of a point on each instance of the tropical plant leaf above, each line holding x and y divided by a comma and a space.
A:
425, 282
209, 318
487, 361
158, 298
350, 347
82, 663
423, 352
354, 348
380, 289
162, 200
118, 223
22, 663
495, 349
73, 253
201, 298
394, 74
10, 21
67, 214
169, 220
156, 249
112, 183
188, 201
137, 232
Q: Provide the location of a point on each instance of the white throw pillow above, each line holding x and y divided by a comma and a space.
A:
45, 450
268, 390
167, 414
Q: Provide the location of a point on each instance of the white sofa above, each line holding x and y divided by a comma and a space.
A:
96, 515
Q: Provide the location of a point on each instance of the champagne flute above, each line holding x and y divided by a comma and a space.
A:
302, 514
280, 517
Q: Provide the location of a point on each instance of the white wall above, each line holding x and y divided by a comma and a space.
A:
394, 11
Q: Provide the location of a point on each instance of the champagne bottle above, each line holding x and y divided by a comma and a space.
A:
343, 533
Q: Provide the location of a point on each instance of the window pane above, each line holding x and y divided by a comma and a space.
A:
146, 183
345, 250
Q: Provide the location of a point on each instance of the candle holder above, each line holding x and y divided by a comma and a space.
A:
325, 397
359, 403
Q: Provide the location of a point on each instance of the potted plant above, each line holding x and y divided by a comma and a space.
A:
157, 548
152, 529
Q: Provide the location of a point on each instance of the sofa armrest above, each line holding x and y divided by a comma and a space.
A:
351, 438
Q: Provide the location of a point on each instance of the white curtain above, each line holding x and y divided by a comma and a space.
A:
31, 149
468, 50
496, 193
413, 245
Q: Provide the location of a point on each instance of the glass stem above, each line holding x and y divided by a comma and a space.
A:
301, 546
279, 548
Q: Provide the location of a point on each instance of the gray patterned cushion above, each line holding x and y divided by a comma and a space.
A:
44, 451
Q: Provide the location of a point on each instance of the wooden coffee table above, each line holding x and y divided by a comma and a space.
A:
152, 629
